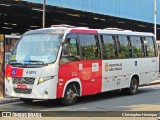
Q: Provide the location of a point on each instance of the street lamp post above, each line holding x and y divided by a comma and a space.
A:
44, 13
155, 19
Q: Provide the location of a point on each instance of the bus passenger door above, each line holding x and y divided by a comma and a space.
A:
69, 62
91, 63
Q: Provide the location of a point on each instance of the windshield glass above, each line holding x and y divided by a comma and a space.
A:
36, 49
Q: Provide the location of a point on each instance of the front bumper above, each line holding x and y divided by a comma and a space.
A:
45, 90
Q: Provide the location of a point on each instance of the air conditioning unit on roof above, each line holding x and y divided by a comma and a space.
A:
63, 25
113, 29
118, 29
82, 27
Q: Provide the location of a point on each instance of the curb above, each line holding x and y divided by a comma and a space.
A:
151, 83
8, 100
154, 83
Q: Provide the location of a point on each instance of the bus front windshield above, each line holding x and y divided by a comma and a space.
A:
37, 49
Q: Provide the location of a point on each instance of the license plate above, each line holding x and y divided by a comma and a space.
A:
21, 86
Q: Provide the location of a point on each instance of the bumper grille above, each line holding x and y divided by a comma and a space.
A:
23, 80
23, 91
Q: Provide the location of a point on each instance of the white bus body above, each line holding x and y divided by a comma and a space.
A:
86, 62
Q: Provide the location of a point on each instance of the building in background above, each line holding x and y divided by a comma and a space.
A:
2, 39
18, 16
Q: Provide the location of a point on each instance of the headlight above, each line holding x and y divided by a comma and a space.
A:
8, 78
41, 80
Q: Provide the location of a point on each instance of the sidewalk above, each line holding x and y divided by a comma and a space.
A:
8, 100
13, 99
155, 82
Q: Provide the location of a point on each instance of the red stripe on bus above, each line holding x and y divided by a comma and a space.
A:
85, 74
17, 73
84, 31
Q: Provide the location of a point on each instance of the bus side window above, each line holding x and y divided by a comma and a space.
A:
72, 47
89, 47
136, 46
108, 47
149, 47
70, 51
124, 45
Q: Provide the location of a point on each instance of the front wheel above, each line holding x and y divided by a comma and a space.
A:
70, 95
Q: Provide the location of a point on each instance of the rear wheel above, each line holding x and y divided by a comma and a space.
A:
26, 100
70, 95
133, 89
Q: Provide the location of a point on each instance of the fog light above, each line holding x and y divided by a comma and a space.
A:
41, 80
46, 92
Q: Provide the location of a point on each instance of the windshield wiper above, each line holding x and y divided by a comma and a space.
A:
15, 63
35, 61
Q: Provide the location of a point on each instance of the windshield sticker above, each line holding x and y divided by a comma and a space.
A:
27, 60
106, 67
13, 57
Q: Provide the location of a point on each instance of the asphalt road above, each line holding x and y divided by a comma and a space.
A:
148, 99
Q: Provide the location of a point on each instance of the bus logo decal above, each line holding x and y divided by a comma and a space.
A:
106, 67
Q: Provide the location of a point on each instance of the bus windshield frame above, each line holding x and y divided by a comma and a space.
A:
33, 49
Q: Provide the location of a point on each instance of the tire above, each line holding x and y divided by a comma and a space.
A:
26, 100
133, 89
70, 95
133, 86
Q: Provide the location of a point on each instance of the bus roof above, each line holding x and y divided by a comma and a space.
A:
125, 32
46, 30
110, 31
63, 29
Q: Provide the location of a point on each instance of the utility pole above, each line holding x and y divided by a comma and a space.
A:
155, 20
44, 13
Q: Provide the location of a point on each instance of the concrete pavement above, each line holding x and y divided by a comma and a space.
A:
155, 82
8, 100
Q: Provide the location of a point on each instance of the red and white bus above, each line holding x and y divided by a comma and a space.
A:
68, 62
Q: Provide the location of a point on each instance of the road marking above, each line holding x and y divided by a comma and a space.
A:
57, 109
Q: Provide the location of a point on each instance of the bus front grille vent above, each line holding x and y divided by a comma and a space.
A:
23, 80
22, 91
